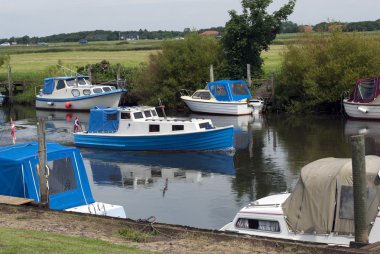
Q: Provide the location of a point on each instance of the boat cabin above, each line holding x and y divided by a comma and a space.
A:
79, 86
141, 120
229, 90
69, 186
366, 90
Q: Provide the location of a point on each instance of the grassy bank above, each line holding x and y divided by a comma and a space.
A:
30, 241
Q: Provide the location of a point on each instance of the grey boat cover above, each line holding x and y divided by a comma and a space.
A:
322, 200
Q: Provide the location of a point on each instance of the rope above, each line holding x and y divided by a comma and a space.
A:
149, 227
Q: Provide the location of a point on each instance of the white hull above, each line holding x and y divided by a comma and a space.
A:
362, 110
106, 99
99, 208
217, 107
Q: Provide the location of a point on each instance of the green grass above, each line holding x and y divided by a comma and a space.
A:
273, 59
27, 241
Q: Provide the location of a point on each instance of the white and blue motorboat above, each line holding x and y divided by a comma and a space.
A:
226, 97
69, 188
76, 93
140, 128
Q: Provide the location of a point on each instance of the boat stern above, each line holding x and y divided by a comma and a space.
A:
100, 208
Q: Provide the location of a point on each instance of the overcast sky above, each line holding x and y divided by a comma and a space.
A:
47, 17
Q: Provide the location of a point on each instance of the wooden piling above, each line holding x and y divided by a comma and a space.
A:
41, 169
89, 72
360, 189
211, 73
10, 85
249, 79
118, 79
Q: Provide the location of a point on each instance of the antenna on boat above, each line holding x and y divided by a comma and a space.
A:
162, 107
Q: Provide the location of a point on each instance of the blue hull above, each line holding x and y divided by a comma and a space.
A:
215, 139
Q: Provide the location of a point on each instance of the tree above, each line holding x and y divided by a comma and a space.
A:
319, 68
4, 59
181, 64
248, 34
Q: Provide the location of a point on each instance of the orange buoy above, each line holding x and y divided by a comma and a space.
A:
68, 104
68, 117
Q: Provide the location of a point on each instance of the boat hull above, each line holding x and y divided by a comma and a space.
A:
362, 110
217, 107
214, 139
110, 99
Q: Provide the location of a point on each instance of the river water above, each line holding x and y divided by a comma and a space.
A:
202, 189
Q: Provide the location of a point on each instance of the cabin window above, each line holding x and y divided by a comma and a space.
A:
113, 88
154, 113
61, 176
154, 128
138, 115
239, 89
147, 113
86, 91
97, 90
72, 82
206, 126
75, 92
346, 210
263, 225
111, 117
125, 115
60, 85
221, 90
178, 127
106, 89
204, 95
365, 90
82, 81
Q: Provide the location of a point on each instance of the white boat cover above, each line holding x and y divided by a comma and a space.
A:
322, 200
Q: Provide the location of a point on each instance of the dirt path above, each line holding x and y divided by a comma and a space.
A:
169, 238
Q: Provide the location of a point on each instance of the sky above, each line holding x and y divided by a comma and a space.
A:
47, 17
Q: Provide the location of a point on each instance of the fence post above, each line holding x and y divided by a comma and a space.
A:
359, 189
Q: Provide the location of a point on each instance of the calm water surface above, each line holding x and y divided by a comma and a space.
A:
203, 189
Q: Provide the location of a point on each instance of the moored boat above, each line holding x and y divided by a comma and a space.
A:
76, 93
364, 101
320, 208
140, 128
226, 97
69, 188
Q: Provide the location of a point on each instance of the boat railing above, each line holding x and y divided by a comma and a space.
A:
185, 92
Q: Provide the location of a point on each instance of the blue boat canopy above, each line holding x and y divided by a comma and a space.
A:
103, 119
229, 90
49, 82
69, 186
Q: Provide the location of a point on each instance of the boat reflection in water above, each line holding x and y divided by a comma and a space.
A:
243, 125
134, 169
370, 130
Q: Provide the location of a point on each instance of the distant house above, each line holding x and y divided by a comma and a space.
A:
83, 41
210, 33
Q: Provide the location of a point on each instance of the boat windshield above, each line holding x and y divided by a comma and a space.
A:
81, 82
239, 89
365, 90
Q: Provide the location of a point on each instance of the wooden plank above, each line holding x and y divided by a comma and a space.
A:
14, 200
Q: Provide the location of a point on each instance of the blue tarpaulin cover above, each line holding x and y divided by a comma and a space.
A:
104, 119
229, 90
48, 85
18, 174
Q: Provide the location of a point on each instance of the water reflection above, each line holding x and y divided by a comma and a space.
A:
370, 130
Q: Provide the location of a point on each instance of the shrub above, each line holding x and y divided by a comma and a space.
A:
318, 69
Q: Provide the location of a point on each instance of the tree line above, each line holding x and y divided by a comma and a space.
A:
142, 34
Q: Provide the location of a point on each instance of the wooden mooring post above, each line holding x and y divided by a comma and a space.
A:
249, 79
360, 190
10, 85
41, 170
211, 73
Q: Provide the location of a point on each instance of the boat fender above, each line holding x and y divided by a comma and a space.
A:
363, 109
67, 105
50, 103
